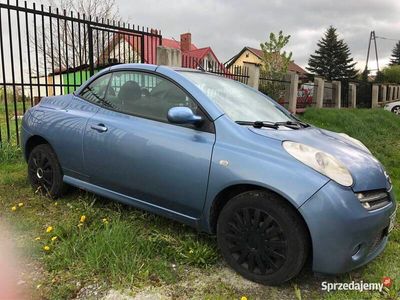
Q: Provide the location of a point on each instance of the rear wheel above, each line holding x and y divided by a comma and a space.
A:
262, 237
44, 171
396, 110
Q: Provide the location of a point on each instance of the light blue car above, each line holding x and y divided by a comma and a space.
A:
217, 155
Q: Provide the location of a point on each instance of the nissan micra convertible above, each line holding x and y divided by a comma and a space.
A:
219, 156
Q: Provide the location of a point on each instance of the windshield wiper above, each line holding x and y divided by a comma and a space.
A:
304, 124
293, 124
275, 125
259, 124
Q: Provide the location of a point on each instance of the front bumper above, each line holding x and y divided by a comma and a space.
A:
344, 234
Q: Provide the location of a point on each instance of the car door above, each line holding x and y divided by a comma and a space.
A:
69, 125
131, 148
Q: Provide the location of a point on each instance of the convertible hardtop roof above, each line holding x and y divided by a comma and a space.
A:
152, 67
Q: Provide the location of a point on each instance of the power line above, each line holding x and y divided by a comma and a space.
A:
385, 38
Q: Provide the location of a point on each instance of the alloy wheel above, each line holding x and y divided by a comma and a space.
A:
41, 171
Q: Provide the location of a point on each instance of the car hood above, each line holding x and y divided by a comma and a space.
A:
367, 171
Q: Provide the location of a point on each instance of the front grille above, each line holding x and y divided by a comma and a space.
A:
372, 200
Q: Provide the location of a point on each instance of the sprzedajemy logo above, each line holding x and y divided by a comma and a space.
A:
360, 286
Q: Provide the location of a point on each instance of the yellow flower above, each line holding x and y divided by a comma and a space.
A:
54, 238
37, 238
49, 229
20, 204
14, 208
80, 225
82, 219
243, 298
105, 221
46, 248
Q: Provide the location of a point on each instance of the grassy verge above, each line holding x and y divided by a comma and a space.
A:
93, 241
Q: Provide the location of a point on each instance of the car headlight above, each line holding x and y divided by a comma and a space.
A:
355, 141
320, 161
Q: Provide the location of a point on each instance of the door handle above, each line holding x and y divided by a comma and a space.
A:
99, 128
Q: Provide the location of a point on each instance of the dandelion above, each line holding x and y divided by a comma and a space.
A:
49, 229
82, 219
37, 238
54, 238
14, 208
20, 204
105, 221
243, 298
46, 248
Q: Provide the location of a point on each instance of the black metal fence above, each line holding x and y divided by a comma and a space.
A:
45, 52
238, 73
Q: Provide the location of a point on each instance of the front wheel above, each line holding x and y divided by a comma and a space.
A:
396, 110
44, 171
262, 237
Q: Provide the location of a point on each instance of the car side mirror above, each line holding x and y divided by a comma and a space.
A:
183, 115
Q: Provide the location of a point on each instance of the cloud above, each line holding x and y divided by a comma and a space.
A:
227, 26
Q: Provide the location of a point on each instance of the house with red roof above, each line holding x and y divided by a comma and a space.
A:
127, 48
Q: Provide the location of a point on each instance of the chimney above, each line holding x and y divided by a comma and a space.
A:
186, 41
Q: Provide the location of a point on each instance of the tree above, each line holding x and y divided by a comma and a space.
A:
74, 38
380, 77
275, 63
274, 60
395, 59
392, 74
332, 58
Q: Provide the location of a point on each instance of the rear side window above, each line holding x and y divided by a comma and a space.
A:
96, 90
146, 95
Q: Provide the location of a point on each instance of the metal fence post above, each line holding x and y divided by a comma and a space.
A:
319, 92
353, 95
90, 45
337, 93
253, 73
375, 93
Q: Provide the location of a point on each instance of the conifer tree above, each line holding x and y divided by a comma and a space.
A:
332, 58
395, 59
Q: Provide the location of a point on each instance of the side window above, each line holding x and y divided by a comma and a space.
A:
146, 95
96, 90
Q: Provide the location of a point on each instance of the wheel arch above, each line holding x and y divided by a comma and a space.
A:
31, 143
224, 196
395, 106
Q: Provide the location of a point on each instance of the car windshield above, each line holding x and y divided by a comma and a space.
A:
238, 101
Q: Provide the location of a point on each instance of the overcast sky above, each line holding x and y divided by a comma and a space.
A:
227, 26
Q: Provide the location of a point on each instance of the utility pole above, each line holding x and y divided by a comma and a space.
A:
372, 37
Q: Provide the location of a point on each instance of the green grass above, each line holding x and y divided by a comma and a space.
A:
116, 245
133, 249
11, 119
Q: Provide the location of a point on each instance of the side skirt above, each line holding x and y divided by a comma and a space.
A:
194, 222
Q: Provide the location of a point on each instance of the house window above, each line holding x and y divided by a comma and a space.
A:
247, 54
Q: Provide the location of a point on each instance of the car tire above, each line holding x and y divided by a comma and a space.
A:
44, 171
262, 237
396, 110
